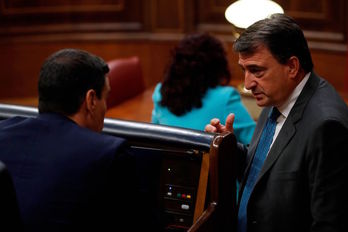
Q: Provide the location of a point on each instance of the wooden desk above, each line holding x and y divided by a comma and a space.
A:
138, 108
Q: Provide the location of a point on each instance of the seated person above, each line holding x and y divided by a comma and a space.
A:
67, 175
194, 89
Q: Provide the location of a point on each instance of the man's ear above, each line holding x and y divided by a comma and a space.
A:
91, 100
293, 66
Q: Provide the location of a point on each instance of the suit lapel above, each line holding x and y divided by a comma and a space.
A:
287, 132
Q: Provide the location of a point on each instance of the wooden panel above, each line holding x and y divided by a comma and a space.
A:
23, 17
18, 7
171, 16
212, 11
167, 15
158, 60
323, 20
20, 64
331, 66
32, 30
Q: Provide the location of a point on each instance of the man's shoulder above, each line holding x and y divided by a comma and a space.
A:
93, 138
325, 105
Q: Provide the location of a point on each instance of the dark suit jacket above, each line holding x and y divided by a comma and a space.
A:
302, 184
67, 177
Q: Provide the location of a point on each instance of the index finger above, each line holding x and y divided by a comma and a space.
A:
229, 122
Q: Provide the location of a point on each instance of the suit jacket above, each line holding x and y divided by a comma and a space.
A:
302, 184
67, 177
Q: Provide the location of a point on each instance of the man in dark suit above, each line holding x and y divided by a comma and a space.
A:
67, 175
299, 184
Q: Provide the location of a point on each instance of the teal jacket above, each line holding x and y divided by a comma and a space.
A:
217, 103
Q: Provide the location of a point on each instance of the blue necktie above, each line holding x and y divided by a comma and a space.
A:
259, 158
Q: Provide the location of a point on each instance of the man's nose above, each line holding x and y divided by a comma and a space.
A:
249, 82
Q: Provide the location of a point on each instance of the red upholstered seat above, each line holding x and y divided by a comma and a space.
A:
126, 80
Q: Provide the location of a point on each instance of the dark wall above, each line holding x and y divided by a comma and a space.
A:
31, 30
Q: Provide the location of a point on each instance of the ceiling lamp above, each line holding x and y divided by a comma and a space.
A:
243, 13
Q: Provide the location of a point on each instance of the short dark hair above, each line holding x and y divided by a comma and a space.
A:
66, 76
197, 63
281, 35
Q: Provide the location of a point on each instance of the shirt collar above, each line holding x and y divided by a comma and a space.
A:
289, 103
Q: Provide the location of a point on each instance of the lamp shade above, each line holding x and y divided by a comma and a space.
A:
243, 13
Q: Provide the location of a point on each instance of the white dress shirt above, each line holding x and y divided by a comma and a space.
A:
287, 106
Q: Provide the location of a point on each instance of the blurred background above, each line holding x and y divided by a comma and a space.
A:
32, 30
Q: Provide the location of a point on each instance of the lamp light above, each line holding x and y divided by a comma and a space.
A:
243, 13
